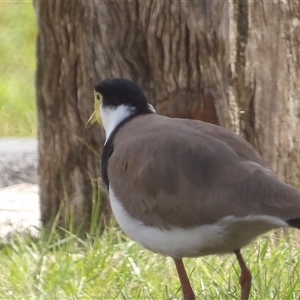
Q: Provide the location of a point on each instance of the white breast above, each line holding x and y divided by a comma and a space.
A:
228, 234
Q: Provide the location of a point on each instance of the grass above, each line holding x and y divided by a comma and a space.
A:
113, 267
17, 68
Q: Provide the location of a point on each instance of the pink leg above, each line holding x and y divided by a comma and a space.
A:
246, 277
187, 290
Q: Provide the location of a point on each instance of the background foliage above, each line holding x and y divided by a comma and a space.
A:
17, 67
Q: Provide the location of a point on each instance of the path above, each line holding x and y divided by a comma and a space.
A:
19, 201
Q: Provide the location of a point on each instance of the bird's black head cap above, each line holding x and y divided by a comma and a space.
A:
118, 91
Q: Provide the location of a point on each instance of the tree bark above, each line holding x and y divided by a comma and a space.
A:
68, 166
233, 63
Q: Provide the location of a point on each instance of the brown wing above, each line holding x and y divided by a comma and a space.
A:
243, 149
168, 173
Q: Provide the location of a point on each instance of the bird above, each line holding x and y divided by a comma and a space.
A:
183, 187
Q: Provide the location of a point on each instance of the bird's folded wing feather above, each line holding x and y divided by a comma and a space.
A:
172, 173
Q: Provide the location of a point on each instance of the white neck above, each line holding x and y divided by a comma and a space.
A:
112, 116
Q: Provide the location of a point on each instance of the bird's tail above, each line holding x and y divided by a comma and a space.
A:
294, 223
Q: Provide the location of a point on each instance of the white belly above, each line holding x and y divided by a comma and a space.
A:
228, 234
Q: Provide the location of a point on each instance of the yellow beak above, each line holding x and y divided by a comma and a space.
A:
95, 117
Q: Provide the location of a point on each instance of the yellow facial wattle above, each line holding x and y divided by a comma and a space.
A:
95, 117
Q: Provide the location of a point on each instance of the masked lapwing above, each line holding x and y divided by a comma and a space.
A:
185, 188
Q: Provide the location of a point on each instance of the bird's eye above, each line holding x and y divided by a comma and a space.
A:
98, 96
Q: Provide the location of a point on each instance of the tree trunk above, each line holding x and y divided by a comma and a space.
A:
66, 74
233, 63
